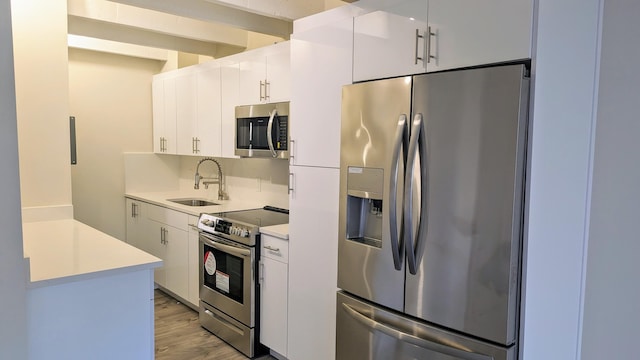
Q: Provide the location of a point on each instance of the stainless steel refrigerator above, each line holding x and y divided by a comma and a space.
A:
431, 215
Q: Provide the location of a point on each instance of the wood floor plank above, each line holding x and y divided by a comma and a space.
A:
179, 336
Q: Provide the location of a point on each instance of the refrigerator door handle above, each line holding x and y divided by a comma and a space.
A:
441, 346
414, 243
401, 139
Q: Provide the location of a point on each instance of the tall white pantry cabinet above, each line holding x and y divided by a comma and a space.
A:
322, 66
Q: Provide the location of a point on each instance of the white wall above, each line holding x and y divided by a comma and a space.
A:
110, 96
612, 295
564, 80
42, 98
13, 297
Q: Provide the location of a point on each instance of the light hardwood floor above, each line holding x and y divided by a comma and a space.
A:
179, 336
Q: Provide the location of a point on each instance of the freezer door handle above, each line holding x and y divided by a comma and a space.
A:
415, 240
401, 139
435, 344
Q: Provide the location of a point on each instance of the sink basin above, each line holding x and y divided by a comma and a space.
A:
193, 202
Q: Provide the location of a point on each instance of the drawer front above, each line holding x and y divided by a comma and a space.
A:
275, 248
170, 217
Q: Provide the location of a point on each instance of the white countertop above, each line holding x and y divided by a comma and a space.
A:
161, 199
62, 251
279, 231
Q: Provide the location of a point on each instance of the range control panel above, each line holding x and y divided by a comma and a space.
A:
214, 225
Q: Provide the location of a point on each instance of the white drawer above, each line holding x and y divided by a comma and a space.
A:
169, 217
275, 248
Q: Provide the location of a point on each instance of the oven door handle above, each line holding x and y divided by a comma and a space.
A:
226, 248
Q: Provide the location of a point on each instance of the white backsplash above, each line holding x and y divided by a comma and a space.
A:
264, 180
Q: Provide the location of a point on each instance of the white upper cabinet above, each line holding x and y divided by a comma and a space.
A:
230, 98
207, 141
264, 75
186, 117
419, 36
390, 42
322, 66
164, 115
278, 80
187, 111
471, 32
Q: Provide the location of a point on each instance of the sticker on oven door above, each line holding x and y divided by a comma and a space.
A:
222, 281
209, 263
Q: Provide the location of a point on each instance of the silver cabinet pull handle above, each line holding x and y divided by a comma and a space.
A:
291, 154
267, 90
197, 145
428, 44
263, 85
418, 37
290, 187
261, 273
272, 248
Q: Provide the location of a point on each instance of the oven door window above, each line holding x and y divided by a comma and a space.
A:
223, 273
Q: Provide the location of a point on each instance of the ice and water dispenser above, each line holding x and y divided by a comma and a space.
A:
364, 205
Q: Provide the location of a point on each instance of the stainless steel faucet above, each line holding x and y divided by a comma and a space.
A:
207, 181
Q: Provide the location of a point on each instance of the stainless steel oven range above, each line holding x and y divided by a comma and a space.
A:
229, 291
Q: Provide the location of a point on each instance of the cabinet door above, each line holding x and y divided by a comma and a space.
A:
186, 119
278, 87
164, 115
230, 78
469, 32
323, 65
154, 245
390, 42
177, 260
208, 141
253, 75
313, 255
273, 308
194, 263
135, 224
157, 100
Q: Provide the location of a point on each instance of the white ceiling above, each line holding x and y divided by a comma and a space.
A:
206, 27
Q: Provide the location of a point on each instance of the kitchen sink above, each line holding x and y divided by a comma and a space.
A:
193, 202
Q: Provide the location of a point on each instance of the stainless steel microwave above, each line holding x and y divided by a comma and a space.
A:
263, 130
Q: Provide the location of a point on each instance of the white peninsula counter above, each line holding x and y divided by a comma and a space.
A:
90, 296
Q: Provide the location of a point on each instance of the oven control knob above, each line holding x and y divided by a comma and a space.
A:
244, 233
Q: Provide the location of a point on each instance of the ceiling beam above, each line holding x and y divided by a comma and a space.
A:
113, 47
210, 12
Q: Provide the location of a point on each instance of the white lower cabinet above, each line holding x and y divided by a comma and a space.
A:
274, 288
166, 233
194, 263
313, 262
136, 222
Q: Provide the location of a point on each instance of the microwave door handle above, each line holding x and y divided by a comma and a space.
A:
401, 139
270, 133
